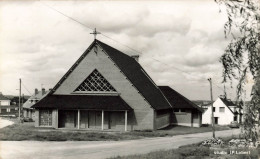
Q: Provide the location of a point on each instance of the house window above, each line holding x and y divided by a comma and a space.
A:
214, 109
222, 109
45, 117
8, 110
182, 110
95, 82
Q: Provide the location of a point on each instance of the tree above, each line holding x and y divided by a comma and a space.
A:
241, 58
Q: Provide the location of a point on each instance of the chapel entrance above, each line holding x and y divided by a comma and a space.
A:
67, 119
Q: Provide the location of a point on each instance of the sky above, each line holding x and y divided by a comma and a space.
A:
179, 42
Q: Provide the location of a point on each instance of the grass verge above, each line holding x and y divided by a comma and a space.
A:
193, 151
27, 131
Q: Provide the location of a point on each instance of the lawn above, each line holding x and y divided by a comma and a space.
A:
193, 151
27, 131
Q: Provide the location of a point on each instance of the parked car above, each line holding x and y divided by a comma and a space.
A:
26, 119
234, 124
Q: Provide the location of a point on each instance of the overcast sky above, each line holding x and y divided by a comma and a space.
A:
180, 41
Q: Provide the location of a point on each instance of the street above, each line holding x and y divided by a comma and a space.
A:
4, 123
99, 149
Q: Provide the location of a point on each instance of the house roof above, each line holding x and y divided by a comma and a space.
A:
177, 100
2, 97
133, 71
229, 103
37, 96
92, 102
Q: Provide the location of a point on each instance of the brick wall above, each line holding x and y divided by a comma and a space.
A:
162, 119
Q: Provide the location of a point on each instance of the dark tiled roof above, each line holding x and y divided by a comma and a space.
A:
94, 102
2, 97
227, 102
177, 100
133, 71
138, 77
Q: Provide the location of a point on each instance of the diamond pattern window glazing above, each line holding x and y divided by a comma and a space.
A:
95, 82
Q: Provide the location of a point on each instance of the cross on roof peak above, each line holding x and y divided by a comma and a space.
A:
95, 32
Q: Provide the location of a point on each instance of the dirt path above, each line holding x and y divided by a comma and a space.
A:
98, 149
5, 122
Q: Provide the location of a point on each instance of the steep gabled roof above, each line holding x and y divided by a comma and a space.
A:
177, 100
132, 70
37, 96
138, 77
228, 103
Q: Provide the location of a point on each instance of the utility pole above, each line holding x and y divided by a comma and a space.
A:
212, 115
20, 81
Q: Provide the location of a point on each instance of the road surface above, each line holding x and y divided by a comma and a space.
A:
4, 123
98, 149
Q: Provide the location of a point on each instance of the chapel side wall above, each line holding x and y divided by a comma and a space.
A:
182, 118
37, 117
162, 120
143, 114
196, 118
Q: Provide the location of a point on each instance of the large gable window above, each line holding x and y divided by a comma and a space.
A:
95, 82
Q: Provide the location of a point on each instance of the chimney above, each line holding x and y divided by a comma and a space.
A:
43, 91
1, 93
136, 57
36, 91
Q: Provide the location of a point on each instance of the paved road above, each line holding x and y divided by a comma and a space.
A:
4, 123
98, 149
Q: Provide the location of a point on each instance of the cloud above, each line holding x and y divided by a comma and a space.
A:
202, 55
180, 41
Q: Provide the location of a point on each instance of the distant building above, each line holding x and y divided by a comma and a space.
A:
185, 112
28, 111
6, 109
224, 110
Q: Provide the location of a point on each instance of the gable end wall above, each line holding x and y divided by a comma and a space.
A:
143, 115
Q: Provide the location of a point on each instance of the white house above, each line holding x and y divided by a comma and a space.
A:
6, 109
28, 111
224, 110
4, 100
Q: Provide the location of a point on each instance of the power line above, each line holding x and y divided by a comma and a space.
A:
26, 89
66, 15
121, 44
118, 41
89, 27
186, 72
